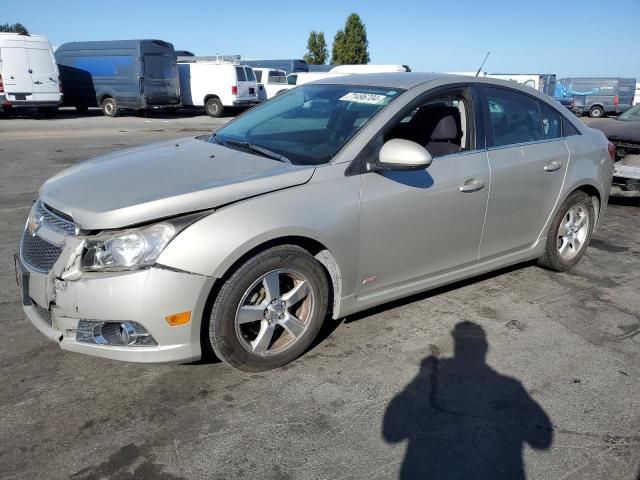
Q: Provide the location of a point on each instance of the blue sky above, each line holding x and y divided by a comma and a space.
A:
570, 37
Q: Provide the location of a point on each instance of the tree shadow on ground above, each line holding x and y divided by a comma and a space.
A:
462, 419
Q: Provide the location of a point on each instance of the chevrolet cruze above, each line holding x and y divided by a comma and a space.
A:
326, 200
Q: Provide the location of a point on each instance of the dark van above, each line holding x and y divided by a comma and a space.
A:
597, 96
119, 74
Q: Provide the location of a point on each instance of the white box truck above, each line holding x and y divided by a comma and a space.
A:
28, 73
216, 83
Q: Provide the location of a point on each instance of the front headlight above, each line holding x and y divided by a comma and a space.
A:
133, 248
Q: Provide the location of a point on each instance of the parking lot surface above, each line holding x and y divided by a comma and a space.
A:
523, 370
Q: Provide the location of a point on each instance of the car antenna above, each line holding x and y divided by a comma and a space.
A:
482, 64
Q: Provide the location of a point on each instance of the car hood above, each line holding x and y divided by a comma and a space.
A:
621, 130
163, 179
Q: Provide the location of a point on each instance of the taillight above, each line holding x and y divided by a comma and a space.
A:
573, 102
1, 85
612, 151
234, 90
616, 101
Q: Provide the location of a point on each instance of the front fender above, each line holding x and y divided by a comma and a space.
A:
326, 210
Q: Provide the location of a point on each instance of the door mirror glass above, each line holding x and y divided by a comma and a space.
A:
401, 154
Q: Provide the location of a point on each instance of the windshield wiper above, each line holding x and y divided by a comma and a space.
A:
265, 152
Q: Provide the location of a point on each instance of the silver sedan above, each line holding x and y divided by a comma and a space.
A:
328, 199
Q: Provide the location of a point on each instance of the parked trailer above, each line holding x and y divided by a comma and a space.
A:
542, 82
28, 73
119, 74
598, 96
369, 68
289, 65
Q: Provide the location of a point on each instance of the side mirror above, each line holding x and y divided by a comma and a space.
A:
400, 154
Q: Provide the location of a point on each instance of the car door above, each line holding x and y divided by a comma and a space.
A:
44, 73
528, 160
419, 223
15, 70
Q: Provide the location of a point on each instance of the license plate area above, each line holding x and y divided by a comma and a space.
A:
20, 96
22, 279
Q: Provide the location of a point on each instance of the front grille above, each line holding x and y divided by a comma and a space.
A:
55, 220
44, 313
38, 253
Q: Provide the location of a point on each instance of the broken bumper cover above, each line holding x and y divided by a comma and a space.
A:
145, 297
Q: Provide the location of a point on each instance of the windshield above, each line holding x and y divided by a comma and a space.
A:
308, 125
633, 114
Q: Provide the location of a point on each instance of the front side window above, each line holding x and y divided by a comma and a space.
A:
515, 117
308, 125
440, 124
551, 122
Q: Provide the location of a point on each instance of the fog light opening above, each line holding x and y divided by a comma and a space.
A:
124, 334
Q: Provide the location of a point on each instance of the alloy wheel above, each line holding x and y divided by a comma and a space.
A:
573, 232
274, 312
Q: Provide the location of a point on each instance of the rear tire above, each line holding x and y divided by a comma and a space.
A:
596, 112
569, 233
214, 107
110, 107
269, 311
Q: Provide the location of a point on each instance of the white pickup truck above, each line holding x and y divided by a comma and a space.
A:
271, 82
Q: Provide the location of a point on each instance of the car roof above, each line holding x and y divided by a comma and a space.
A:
407, 80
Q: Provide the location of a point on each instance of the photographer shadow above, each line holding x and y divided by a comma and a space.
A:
462, 419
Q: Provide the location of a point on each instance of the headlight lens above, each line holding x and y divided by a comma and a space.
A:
129, 249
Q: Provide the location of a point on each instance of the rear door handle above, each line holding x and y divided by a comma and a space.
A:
552, 166
37, 82
472, 185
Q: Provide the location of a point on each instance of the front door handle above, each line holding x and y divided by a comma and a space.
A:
472, 185
37, 82
552, 166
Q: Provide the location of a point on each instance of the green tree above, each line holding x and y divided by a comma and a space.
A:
350, 45
15, 28
317, 52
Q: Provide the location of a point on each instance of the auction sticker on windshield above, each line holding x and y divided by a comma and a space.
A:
371, 98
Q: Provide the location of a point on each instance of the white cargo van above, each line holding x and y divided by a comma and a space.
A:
216, 83
28, 73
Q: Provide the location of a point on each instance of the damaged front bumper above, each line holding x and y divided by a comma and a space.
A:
60, 300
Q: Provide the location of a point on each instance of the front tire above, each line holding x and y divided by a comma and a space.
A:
110, 107
569, 233
269, 311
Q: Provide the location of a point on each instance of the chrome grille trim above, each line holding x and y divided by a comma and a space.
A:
42, 312
55, 221
37, 253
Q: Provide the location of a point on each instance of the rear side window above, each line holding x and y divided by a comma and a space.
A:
103, 66
568, 129
258, 75
250, 76
515, 117
551, 122
242, 77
